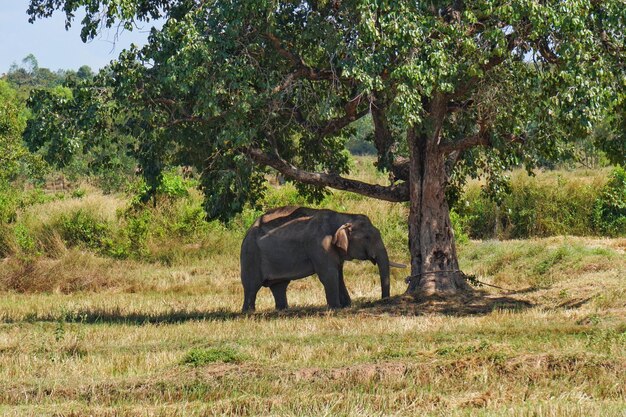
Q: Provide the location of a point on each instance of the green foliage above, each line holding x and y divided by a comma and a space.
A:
231, 186
204, 356
12, 123
30, 75
609, 210
361, 141
8, 206
221, 79
137, 231
24, 240
191, 220
546, 206
82, 228
77, 128
171, 186
460, 228
174, 186
78, 193
13, 199
6, 241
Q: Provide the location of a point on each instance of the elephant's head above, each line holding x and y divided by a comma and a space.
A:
360, 239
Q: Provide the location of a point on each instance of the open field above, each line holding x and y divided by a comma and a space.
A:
554, 343
86, 334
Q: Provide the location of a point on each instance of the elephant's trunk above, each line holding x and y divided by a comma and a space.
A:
382, 260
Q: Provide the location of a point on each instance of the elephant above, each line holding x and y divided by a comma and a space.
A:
289, 243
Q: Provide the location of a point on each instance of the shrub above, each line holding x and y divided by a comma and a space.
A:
174, 186
137, 230
12, 200
546, 205
24, 240
200, 356
7, 241
78, 193
459, 226
83, 228
478, 214
609, 210
8, 207
190, 220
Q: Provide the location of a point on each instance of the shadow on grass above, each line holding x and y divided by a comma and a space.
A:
472, 304
476, 303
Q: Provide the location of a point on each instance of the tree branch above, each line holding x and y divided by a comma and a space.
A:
333, 126
302, 69
383, 138
395, 193
479, 139
547, 53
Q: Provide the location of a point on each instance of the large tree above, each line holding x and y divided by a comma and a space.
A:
454, 88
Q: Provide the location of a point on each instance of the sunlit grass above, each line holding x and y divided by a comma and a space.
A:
82, 333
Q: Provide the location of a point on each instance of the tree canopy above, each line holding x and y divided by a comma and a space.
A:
454, 88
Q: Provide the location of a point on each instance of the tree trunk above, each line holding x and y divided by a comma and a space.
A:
434, 264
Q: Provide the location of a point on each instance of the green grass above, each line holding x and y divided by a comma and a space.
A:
204, 356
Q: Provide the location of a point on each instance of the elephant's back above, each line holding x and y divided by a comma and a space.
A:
281, 216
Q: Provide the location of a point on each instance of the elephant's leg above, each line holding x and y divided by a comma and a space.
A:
330, 281
279, 290
250, 290
344, 296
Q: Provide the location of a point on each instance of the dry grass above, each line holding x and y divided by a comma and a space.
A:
554, 350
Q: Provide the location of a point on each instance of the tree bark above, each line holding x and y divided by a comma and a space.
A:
434, 265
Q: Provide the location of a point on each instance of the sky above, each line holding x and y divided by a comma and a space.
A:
53, 46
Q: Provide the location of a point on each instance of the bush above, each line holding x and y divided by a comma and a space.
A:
547, 205
12, 200
24, 240
459, 226
137, 230
7, 240
478, 214
609, 210
83, 228
174, 186
190, 220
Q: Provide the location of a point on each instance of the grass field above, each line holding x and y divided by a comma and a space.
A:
81, 334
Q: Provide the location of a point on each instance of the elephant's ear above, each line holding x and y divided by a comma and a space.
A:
341, 236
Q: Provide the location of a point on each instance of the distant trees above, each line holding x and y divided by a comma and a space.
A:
30, 75
14, 156
79, 128
12, 122
85, 73
66, 119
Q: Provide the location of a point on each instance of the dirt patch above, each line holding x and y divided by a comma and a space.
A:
361, 372
221, 370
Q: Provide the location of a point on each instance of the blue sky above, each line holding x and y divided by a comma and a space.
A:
52, 45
